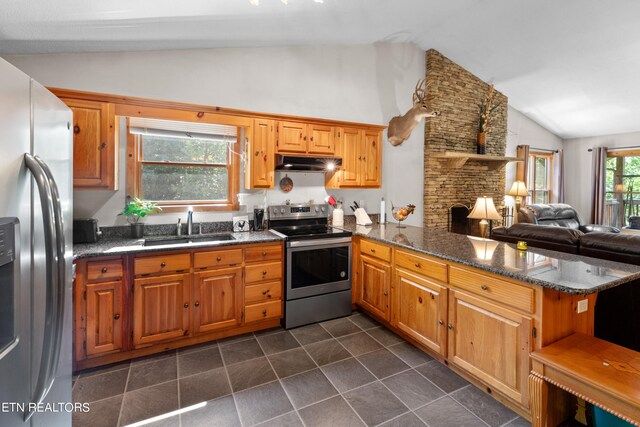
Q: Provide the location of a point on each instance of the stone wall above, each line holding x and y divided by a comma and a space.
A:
457, 94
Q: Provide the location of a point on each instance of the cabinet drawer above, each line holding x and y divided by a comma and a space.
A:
104, 270
217, 258
375, 250
262, 272
262, 292
263, 253
264, 311
489, 287
419, 264
162, 264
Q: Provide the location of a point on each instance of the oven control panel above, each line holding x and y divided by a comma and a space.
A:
298, 211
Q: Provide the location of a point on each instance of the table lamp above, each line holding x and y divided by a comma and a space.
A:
518, 191
484, 210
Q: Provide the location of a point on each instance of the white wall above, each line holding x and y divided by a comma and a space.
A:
578, 176
368, 84
521, 130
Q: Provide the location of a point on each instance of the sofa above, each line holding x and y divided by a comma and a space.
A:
559, 215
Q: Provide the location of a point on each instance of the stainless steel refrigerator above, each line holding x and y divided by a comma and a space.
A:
35, 253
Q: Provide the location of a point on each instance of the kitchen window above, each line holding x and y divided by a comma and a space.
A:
179, 164
540, 173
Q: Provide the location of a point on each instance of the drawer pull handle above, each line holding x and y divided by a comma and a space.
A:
484, 287
450, 326
197, 303
373, 250
264, 312
264, 272
440, 322
163, 264
116, 316
264, 253
219, 259
265, 292
104, 270
420, 300
417, 264
186, 305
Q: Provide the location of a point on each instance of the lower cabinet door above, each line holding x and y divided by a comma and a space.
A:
420, 309
161, 308
104, 312
375, 281
490, 342
217, 299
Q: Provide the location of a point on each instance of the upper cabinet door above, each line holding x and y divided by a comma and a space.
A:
292, 137
321, 140
351, 157
94, 145
260, 152
372, 160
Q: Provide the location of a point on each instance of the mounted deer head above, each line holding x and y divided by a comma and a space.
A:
400, 127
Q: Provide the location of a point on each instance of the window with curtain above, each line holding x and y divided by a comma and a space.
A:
540, 177
179, 164
622, 186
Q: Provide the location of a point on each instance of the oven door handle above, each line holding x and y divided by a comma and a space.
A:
318, 242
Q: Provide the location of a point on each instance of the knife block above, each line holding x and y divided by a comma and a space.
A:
362, 218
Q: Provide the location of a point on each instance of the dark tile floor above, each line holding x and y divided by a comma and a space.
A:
344, 372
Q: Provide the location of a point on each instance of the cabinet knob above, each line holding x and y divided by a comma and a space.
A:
386, 293
440, 322
484, 287
103, 145
373, 250
218, 259
311, 139
186, 305
76, 129
163, 264
264, 253
104, 270
264, 312
450, 326
417, 264
265, 292
197, 303
420, 300
116, 316
264, 272
257, 153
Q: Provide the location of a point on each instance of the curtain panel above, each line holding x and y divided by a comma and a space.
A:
599, 173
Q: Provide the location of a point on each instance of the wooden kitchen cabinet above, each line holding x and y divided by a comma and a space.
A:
104, 311
259, 169
305, 138
217, 299
361, 152
95, 145
160, 308
374, 284
420, 309
490, 342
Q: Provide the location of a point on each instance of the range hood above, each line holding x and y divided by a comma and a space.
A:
307, 164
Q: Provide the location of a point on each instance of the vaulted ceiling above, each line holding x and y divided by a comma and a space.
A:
572, 65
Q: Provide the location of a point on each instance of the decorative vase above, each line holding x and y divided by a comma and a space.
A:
481, 143
137, 230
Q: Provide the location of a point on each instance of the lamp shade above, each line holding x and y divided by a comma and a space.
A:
518, 189
484, 209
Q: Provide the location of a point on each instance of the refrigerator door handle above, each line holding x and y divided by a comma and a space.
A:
55, 276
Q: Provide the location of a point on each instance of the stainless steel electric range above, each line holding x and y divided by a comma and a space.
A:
317, 264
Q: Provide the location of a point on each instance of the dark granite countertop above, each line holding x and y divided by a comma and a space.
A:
122, 246
564, 272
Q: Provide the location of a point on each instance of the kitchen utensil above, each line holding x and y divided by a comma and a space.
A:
286, 184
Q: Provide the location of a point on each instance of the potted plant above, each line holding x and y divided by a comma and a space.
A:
135, 210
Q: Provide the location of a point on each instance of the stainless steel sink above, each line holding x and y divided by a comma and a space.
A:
186, 240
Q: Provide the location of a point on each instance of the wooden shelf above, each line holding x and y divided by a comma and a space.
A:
456, 160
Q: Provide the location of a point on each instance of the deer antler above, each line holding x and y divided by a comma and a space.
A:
420, 93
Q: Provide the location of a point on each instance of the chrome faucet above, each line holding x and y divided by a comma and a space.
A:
189, 222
